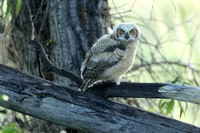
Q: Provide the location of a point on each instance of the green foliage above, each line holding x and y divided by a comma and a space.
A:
50, 41
151, 109
1, 4
3, 98
11, 128
180, 80
18, 6
8, 4
8, 9
182, 110
166, 106
170, 106
177, 79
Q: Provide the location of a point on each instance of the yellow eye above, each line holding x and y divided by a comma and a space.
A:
122, 32
131, 32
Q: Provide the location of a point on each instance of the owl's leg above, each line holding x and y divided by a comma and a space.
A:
118, 80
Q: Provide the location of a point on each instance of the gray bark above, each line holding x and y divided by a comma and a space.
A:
82, 111
57, 20
75, 25
21, 30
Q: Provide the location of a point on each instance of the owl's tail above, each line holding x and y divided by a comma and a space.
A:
86, 84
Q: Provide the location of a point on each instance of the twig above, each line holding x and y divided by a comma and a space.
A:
166, 62
32, 36
50, 67
119, 13
42, 55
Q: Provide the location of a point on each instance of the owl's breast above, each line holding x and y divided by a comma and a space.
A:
122, 67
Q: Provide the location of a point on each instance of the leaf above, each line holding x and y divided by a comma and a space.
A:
186, 106
182, 110
8, 8
18, 6
1, 4
177, 79
188, 82
50, 41
161, 104
151, 109
170, 106
11, 128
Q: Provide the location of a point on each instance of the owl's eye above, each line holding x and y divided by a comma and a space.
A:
122, 32
131, 32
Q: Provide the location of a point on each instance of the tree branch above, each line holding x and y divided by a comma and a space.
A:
50, 67
166, 62
148, 90
136, 90
82, 111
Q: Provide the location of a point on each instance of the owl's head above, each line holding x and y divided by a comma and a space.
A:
127, 32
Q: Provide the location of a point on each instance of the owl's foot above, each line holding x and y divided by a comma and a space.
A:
122, 80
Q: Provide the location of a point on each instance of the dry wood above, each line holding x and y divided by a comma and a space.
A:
82, 111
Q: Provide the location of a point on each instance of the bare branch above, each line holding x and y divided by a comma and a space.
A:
148, 90
166, 62
50, 67
136, 90
32, 34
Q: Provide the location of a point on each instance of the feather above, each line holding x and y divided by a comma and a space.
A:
110, 57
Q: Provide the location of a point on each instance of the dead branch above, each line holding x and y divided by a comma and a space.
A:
82, 111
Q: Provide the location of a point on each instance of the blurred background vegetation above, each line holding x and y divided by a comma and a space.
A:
169, 51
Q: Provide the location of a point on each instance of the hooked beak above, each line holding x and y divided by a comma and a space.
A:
126, 35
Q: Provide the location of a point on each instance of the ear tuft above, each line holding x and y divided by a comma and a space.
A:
110, 31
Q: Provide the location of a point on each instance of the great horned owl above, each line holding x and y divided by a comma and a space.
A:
111, 56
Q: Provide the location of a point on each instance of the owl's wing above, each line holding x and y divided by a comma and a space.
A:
97, 62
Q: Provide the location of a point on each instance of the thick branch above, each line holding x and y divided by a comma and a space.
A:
82, 111
148, 90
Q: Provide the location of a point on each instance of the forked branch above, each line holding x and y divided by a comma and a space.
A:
135, 90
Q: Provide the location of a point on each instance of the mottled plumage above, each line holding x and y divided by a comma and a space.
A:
111, 56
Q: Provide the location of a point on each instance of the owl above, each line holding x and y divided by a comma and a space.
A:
111, 56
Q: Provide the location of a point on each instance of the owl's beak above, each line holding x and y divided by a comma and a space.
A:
126, 35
